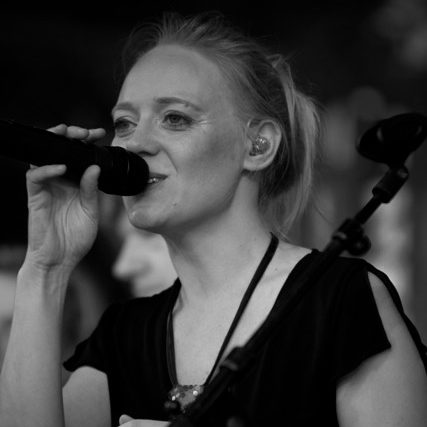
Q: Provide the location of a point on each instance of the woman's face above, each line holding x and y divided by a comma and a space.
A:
175, 110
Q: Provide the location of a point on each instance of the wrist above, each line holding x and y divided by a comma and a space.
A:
36, 276
37, 265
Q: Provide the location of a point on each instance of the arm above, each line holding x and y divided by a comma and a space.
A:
62, 228
389, 389
86, 402
31, 377
87, 399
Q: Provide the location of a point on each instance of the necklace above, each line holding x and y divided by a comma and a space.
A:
180, 396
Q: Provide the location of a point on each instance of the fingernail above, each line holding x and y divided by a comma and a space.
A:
124, 419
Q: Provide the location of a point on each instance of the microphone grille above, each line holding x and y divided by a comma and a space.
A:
126, 175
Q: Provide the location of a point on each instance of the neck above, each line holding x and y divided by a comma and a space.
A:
213, 259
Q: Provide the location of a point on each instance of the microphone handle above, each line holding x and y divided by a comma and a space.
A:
122, 172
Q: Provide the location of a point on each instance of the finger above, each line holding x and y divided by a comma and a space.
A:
84, 134
77, 132
125, 419
60, 129
37, 176
89, 184
95, 134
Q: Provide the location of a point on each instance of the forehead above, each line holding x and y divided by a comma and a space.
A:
172, 70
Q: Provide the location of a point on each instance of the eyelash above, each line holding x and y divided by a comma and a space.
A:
121, 125
184, 120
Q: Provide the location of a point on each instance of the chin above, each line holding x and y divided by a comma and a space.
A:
143, 217
161, 221
152, 225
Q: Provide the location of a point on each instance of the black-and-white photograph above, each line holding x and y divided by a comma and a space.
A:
213, 214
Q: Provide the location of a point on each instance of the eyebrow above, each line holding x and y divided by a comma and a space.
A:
123, 106
167, 100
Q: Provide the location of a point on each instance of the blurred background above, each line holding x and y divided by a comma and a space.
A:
362, 60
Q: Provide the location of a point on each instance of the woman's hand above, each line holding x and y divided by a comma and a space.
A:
63, 218
127, 421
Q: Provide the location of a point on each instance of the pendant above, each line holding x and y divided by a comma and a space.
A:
184, 395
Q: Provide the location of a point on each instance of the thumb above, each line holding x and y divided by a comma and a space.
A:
89, 183
125, 419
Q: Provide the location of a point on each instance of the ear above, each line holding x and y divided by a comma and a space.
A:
271, 135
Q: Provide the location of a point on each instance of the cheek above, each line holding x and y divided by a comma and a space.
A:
216, 159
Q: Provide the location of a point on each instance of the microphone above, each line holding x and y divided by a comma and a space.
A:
122, 172
392, 140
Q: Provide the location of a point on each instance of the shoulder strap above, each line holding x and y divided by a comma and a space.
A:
245, 300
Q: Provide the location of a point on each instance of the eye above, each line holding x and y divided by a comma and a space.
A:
122, 126
177, 120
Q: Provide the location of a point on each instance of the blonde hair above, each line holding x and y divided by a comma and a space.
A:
263, 88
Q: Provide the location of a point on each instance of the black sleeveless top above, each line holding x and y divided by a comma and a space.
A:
293, 382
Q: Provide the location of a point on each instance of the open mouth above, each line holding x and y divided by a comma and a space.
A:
155, 179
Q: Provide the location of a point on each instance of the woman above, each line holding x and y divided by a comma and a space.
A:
229, 142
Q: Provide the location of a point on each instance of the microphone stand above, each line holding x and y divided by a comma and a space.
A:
349, 236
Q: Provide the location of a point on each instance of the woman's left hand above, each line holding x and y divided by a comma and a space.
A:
127, 421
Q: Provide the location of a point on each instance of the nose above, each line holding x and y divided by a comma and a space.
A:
142, 142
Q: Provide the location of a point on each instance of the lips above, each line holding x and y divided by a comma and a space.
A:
155, 178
